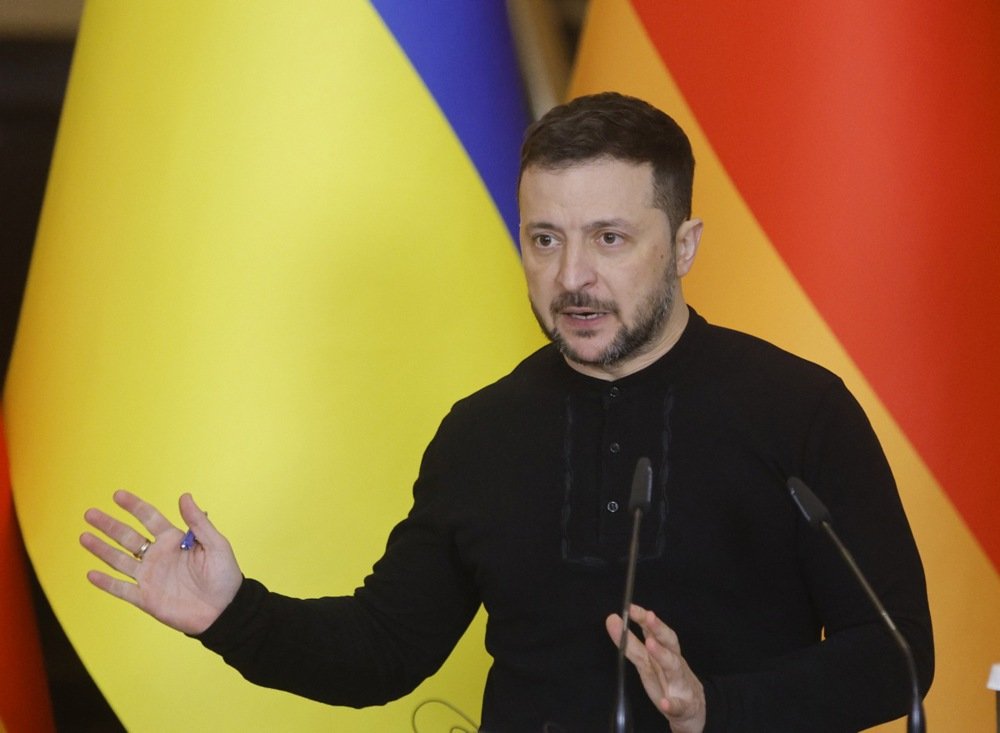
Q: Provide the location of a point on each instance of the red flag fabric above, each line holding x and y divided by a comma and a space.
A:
847, 176
24, 694
865, 137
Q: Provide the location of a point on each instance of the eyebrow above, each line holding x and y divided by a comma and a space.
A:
607, 224
592, 226
539, 225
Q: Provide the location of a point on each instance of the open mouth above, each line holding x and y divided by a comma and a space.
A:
584, 315
581, 307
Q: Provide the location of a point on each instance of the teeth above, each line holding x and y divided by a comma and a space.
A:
585, 316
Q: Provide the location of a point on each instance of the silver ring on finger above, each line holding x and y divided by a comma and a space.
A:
142, 550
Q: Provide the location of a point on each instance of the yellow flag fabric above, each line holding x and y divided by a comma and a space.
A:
752, 276
266, 267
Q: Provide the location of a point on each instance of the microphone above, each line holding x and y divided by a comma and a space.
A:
818, 517
638, 504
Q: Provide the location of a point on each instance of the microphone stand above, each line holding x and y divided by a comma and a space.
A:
818, 517
642, 496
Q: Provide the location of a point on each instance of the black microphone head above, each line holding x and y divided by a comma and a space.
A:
642, 486
809, 504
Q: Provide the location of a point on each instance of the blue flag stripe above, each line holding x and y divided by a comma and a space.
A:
464, 52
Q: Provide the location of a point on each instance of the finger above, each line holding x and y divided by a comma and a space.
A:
613, 623
654, 680
662, 645
682, 691
120, 532
115, 586
121, 561
199, 523
653, 627
635, 650
658, 655
634, 614
146, 513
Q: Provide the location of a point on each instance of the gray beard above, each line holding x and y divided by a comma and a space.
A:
629, 341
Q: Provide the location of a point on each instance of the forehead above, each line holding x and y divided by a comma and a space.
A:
603, 182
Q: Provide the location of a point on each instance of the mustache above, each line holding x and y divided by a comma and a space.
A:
578, 299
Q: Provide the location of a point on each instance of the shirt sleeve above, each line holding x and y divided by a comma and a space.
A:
374, 646
857, 676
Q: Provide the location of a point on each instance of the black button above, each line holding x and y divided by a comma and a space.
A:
614, 392
612, 506
614, 447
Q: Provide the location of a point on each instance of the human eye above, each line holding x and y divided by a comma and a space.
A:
544, 241
611, 239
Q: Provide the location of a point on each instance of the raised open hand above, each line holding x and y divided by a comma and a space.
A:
669, 682
185, 589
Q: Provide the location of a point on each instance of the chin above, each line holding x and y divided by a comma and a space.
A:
586, 352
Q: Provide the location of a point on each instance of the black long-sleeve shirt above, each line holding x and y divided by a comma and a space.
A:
521, 503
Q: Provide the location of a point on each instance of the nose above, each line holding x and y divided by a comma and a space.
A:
576, 267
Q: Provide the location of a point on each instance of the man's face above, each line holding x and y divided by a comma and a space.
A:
599, 262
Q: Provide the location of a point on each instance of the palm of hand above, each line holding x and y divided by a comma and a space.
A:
185, 589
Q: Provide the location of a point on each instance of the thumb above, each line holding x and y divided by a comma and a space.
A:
197, 520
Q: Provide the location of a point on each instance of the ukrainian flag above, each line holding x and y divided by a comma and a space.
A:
275, 247
848, 176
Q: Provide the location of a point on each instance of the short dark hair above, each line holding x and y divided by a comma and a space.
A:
612, 125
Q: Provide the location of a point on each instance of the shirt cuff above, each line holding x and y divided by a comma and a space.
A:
237, 621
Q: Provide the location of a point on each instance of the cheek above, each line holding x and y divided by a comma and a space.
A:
540, 297
662, 266
535, 274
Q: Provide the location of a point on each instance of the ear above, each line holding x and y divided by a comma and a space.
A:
686, 244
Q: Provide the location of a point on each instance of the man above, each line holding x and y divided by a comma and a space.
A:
748, 620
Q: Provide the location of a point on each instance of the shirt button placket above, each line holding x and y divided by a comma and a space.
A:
614, 391
612, 506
